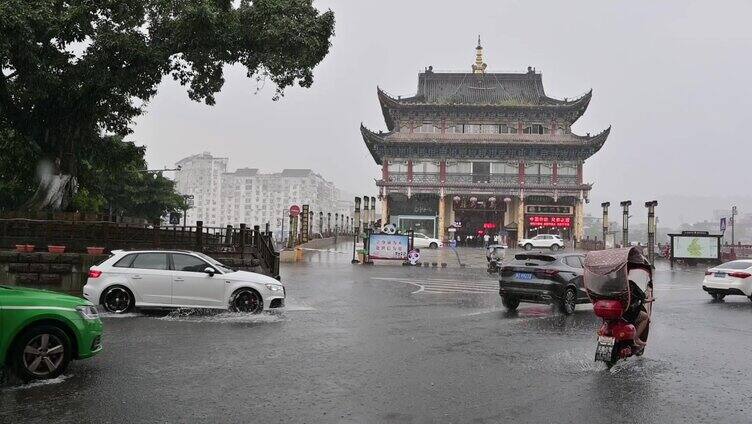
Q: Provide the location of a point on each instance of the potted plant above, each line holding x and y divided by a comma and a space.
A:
94, 250
56, 249
29, 248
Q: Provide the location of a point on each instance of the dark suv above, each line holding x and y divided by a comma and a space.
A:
543, 278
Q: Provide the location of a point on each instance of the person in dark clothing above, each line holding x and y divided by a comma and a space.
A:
636, 313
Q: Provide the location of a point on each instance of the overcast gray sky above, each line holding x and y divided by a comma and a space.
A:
672, 77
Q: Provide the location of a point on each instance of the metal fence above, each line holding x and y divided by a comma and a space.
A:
77, 236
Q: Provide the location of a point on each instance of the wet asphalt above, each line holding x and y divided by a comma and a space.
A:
393, 344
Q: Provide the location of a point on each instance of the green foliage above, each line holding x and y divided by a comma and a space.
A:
114, 178
73, 70
17, 163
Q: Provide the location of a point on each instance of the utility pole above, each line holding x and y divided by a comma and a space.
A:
605, 206
356, 232
733, 214
625, 222
651, 230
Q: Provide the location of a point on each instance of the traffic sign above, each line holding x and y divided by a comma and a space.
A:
294, 210
723, 224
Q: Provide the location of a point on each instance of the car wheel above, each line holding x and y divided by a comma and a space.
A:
554, 247
41, 352
528, 246
568, 302
433, 246
509, 302
717, 296
247, 301
117, 300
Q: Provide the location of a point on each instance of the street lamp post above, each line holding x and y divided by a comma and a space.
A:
356, 223
651, 230
366, 216
605, 206
321, 223
373, 212
328, 224
625, 222
336, 223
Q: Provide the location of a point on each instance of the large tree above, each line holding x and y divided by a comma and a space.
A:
73, 70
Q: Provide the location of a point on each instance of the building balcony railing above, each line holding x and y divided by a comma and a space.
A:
490, 179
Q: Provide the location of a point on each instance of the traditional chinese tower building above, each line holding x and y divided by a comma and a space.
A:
477, 152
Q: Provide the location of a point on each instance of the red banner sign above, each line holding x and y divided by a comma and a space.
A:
549, 221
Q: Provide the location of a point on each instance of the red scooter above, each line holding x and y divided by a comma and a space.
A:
619, 283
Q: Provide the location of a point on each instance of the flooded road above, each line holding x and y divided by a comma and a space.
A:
387, 343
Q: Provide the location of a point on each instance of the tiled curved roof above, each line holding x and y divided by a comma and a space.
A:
482, 89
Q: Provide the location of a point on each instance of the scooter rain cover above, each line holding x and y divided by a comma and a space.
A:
606, 272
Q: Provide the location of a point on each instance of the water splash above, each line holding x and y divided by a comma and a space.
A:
220, 316
39, 383
107, 315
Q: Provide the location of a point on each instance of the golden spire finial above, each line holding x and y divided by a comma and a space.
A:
479, 67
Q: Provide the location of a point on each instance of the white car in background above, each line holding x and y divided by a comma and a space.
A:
542, 241
421, 240
178, 279
730, 278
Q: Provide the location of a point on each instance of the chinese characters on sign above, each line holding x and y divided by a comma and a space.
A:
549, 221
386, 246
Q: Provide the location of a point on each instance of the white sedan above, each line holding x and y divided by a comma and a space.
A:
178, 279
730, 278
422, 240
545, 241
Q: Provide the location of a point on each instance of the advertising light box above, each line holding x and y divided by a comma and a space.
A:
686, 247
549, 221
388, 246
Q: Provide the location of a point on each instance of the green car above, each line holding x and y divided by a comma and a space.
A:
42, 331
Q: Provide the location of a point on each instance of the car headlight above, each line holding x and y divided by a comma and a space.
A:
88, 311
274, 287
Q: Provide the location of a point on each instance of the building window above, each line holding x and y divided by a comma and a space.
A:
508, 128
489, 129
504, 168
428, 127
459, 167
481, 172
397, 166
471, 128
426, 167
535, 129
454, 128
566, 170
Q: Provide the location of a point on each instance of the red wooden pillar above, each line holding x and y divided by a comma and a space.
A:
521, 172
410, 171
385, 171
519, 127
555, 173
442, 171
579, 173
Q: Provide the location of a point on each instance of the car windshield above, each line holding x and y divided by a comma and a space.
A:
216, 264
534, 257
736, 265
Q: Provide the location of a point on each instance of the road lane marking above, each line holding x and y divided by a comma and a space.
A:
439, 286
